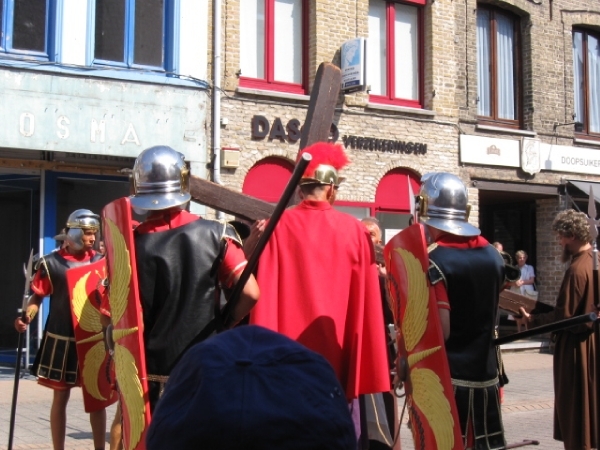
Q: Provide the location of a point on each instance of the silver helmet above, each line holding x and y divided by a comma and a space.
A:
161, 179
443, 204
79, 221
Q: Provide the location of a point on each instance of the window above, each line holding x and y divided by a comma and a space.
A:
395, 52
24, 27
586, 79
130, 33
498, 66
272, 50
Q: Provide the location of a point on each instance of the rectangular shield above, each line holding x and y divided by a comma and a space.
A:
422, 360
127, 322
95, 363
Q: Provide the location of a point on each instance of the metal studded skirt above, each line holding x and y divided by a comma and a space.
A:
57, 359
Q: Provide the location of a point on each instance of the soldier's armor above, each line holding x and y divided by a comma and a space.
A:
177, 275
473, 278
57, 357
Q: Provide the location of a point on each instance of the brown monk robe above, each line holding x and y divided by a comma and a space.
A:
575, 353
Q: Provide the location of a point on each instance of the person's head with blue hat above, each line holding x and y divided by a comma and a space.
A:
252, 388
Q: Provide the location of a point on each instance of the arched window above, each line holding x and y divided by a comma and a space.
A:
268, 178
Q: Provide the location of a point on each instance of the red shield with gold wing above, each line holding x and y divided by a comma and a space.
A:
95, 363
127, 326
422, 360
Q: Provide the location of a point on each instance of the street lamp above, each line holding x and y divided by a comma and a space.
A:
578, 126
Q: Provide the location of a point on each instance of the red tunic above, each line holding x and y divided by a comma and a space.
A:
319, 285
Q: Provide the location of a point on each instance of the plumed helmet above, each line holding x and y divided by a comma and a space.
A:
443, 204
327, 160
78, 221
161, 179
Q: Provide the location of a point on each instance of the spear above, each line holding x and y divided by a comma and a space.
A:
13, 409
593, 223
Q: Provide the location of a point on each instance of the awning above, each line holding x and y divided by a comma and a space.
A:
583, 187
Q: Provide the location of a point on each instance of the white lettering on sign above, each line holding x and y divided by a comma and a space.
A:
130, 136
29, 129
573, 161
98, 128
61, 123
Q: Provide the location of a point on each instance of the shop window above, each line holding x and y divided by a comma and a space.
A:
586, 79
130, 33
498, 66
24, 26
395, 52
273, 45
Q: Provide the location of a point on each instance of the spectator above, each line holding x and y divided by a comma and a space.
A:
525, 285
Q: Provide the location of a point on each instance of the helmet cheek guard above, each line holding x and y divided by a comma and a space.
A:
75, 239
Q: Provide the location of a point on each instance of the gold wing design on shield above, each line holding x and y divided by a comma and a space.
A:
89, 320
126, 370
427, 390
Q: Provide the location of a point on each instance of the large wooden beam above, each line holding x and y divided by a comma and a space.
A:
229, 201
323, 100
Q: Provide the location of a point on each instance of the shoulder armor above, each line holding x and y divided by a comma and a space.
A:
230, 232
41, 261
435, 273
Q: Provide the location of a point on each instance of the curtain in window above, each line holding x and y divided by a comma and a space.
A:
505, 67
483, 63
578, 77
594, 83
406, 58
252, 38
288, 41
377, 48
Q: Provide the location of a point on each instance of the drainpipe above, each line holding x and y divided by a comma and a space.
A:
216, 96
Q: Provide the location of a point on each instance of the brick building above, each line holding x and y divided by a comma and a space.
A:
487, 90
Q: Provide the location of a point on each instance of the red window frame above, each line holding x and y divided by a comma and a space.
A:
390, 20
269, 83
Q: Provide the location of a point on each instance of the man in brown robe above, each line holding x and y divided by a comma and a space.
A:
575, 353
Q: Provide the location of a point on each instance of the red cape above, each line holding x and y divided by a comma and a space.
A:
319, 285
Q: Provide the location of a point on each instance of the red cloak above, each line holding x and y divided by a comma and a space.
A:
319, 285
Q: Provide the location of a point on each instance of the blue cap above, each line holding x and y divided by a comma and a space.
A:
252, 388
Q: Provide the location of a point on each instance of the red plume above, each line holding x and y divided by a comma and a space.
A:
324, 153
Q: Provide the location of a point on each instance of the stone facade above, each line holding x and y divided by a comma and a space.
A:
449, 99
